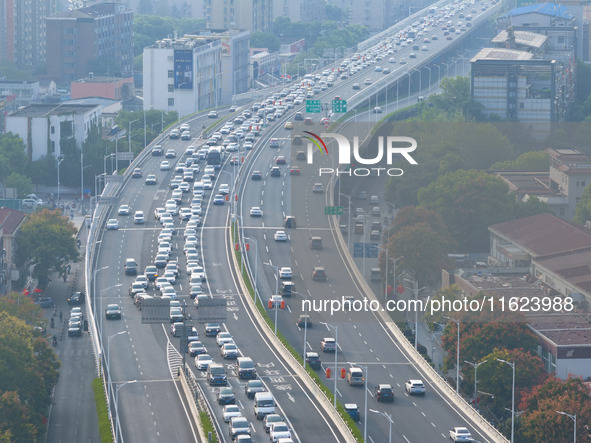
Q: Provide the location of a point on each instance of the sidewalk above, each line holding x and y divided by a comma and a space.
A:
73, 413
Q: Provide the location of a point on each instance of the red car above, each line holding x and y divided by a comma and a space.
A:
280, 160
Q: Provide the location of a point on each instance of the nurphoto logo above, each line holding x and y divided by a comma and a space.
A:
390, 148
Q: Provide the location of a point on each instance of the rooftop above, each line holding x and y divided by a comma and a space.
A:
46, 109
544, 234
186, 42
94, 11
10, 219
574, 267
551, 9
524, 38
104, 80
502, 54
522, 182
563, 329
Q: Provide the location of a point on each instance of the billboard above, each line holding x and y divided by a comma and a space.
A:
183, 69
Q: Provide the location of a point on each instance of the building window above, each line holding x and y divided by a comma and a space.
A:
52, 147
561, 39
171, 102
170, 74
170, 88
53, 129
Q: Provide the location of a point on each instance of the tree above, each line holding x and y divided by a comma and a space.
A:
532, 206
13, 156
583, 209
47, 239
21, 182
540, 422
534, 161
22, 307
15, 420
469, 202
496, 377
264, 40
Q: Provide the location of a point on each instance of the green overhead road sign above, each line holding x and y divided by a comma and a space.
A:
313, 106
339, 106
333, 210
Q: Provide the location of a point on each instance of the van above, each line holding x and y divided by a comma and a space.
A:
355, 376
376, 211
199, 188
264, 404
315, 242
216, 375
376, 274
287, 288
246, 368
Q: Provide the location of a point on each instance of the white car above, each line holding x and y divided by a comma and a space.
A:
460, 434
113, 224
138, 218
207, 184
224, 337
224, 189
280, 236
203, 361
285, 273
124, 210
165, 165
255, 211
415, 387
230, 411
279, 430
276, 301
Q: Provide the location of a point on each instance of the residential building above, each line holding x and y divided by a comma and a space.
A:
564, 24
10, 221
44, 127
251, 15
22, 31
378, 15
24, 92
300, 10
113, 88
514, 86
81, 40
183, 75
264, 67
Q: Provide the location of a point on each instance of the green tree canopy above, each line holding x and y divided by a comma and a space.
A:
583, 210
264, 40
13, 156
47, 239
534, 161
20, 182
147, 29
469, 202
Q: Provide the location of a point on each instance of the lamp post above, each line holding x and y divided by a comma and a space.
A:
420, 80
110, 388
306, 328
348, 197
276, 289
82, 180
416, 291
512, 364
475, 366
573, 418
366, 369
457, 321
96, 271
256, 266
129, 130
116, 407
429, 86
446, 68
336, 350
60, 159
389, 417
408, 73
144, 128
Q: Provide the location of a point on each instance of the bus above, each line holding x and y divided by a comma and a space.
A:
214, 157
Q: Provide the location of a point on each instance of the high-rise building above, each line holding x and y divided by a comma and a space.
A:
300, 10
378, 15
183, 75
99, 35
250, 15
22, 31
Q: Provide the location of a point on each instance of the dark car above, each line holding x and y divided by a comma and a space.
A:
304, 321
45, 302
113, 312
318, 274
196, 348
77, 298
226, 396
313, 360
256, 175
252, 387
130, 266
75, 329
157, 151
384, 393
353, 410
295, 170
212, 329
151, 272
275, 171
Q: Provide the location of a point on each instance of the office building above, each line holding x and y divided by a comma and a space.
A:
300, 10
113, 88
99, 36
183, 75
250, 15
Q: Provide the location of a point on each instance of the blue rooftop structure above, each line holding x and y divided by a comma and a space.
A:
550, 9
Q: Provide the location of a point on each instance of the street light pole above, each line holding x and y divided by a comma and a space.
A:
512, 398
416, 292
59, 161
389, 417
101, 307
336, 350
276, 290
256, 266
117, 407
109, 383
366, 369
457, 321
96, 271
129, 129
475, 366
573, 418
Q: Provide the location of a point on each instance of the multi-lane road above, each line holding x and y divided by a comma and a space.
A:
144, 357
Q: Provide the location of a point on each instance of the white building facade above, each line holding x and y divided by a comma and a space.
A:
183, 75
43, 127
